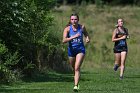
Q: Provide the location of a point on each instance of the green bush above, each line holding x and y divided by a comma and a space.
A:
8, 72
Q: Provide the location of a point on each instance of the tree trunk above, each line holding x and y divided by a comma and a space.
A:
38, 58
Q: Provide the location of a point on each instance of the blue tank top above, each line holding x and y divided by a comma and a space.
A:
76, 42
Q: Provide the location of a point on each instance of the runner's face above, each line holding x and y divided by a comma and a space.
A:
120, 22
74, 20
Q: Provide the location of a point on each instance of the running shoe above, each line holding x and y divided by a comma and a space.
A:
121, 77
116, 66
76, 88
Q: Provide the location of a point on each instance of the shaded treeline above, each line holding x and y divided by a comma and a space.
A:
109, 2
27, 42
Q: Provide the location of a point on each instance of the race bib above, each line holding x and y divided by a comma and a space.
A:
76, 40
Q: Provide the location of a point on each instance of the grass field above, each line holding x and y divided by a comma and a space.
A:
93, 81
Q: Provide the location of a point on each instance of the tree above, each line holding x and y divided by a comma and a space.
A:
25, 29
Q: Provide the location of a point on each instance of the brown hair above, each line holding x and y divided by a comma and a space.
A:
74, 14
117, 22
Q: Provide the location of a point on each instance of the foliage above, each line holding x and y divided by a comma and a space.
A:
3, 48
100, 3
25, 28
8, 69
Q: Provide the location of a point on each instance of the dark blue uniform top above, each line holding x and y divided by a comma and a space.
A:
120, 45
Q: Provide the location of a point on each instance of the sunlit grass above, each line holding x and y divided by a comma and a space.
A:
92, 81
